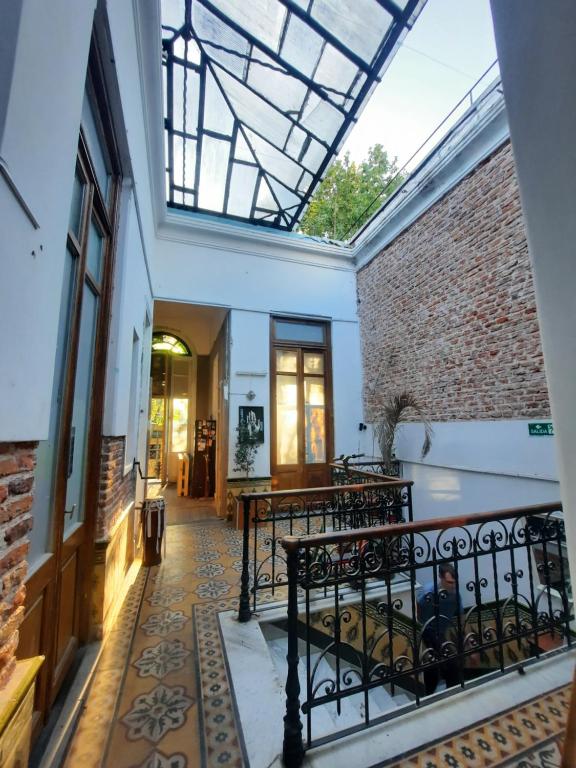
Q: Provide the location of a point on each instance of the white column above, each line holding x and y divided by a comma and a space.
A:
536, 44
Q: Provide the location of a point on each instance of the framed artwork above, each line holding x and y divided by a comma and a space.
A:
251, 421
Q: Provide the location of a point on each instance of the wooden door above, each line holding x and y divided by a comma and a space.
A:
57, 617
302, 442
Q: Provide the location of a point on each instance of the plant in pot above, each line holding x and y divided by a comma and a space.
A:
244, 455
387, 425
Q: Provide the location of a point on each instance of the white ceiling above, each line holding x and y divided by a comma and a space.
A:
197, 325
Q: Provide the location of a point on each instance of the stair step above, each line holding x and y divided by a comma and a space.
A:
325, 719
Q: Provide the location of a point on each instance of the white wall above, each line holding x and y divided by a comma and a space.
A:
39, 146
249, 354
256, 279
131, 304
478, 467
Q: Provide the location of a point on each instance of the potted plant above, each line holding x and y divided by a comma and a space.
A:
386, 427
244, 458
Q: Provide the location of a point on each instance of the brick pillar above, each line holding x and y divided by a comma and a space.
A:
17, 463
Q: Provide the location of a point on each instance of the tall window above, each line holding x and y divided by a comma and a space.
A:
300, 396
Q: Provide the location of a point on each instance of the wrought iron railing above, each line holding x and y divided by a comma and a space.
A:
346, 472
269, 516
507, 567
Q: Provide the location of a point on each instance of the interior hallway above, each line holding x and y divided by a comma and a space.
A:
161, 696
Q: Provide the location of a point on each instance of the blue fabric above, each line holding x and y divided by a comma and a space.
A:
443, 604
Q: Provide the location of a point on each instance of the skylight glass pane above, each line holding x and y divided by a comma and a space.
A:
213, 173
286, 198
282, 92
335, 71
209, 29
254, 112
360, 26
242, 183
261, 18
184, 162
314, 156
295, 143
242, 151
321, 118
173, 13
282, 89
301, 47
265, 196
217, 115
273, 160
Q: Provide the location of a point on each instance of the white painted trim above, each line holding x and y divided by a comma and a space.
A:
481, 131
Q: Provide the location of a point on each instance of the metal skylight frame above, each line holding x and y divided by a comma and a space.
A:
260, 95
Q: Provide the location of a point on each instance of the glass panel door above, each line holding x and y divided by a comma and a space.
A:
77, 452
301, 407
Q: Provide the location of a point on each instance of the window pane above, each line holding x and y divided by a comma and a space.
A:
76, 205
286, 361
81, 411
156, 445
313, 362
94, 255
180, 424
96, 145
315, 421
286, 420
287, 331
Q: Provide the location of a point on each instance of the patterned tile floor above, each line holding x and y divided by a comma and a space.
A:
161, 698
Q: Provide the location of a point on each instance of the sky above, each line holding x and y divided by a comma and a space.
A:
449, 47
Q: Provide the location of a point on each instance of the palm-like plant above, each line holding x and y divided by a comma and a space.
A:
387, 425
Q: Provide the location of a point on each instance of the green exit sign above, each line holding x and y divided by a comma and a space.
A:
541, 429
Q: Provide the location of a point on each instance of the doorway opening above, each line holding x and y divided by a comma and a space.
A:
188, 413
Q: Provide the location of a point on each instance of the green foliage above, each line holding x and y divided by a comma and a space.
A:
244, 452
349, 191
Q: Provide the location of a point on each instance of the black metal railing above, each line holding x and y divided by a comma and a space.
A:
495, 596
346, 471
269, 516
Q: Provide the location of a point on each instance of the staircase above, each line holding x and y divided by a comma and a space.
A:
325, 718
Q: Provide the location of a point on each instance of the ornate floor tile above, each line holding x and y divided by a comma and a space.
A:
158, 760
168, 656
166, 596
206, 556
210, 570
164, 623
212, 589
154, 714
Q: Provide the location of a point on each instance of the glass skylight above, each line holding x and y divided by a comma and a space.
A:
260, 95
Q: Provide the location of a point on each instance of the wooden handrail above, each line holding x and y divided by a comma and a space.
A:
356, 488
290, 543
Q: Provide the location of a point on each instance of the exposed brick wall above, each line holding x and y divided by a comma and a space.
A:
17, 463
447, 311
116, 489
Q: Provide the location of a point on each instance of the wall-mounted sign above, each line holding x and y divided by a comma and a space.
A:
541, 429
251, 420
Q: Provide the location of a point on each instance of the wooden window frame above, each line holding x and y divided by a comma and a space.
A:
301, 347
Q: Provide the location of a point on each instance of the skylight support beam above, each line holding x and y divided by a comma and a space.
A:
394, 10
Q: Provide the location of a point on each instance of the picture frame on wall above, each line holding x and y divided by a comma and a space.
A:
251, 421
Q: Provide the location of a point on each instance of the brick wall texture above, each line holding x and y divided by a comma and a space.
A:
17, 463
116, 489
447, 311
